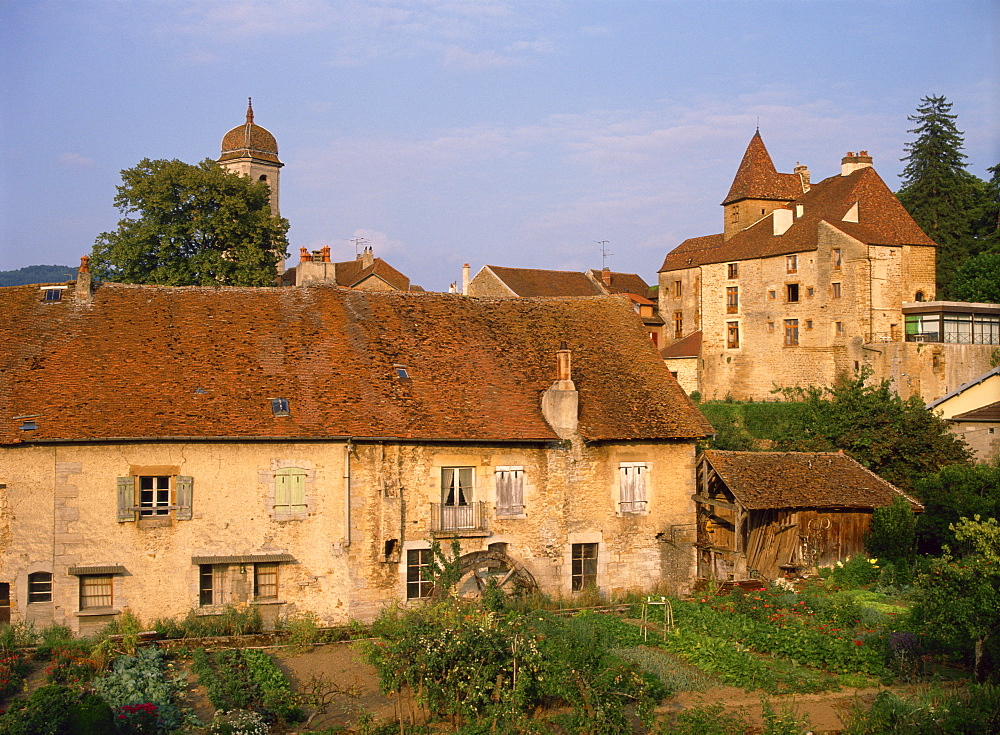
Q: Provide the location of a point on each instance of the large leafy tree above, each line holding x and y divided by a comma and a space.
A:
954, 492
190, 225
900, 440
938, 191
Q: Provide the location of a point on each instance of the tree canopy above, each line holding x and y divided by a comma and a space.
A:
190, 225
900, 440
950, 204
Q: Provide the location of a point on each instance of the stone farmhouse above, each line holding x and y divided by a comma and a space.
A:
809, 280
174, 449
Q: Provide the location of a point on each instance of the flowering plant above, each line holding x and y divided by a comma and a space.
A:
137, 718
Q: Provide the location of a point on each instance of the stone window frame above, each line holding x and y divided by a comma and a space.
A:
516, 475
732, 299
838, 329
417, 560
633, 486
267, 478
792, 263
678, 324
678, 289
732, 271
835, 290
96, 586
792, 290
837, 257
732, 335
179, 500
40, 583
791, 332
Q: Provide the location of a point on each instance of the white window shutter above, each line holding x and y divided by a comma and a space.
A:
126, 499
184, 490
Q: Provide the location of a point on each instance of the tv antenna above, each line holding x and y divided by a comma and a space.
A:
358, 243
605, 253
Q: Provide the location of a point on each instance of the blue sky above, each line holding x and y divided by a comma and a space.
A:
480, 131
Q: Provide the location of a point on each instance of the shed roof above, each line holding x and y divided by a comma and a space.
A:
154, 362
764, 480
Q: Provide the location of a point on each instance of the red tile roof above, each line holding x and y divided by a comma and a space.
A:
352, 272
152, 361
689, 346
762, 480
882, 221
989, 413
757, 178
535, 282
622, 282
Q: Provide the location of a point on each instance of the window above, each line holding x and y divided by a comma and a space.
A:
584, 572
791, 263
401, 372
835, 290
510, 490
839, 328
733, 270
732, 335
52, 294
791, 292
265, 581
732, 299
809, 323
154, 495
770, 326
40, 587
96, 591
735, 212
418, 582
918, 296
632, 487
791, 332
207, 584
678, 324
290, 490
810, 291
836, 258
677, 289
772, 295
457, 508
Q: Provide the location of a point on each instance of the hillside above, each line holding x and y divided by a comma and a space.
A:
37, 274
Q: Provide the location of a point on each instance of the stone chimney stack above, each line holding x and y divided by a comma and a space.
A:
83, 292
465, 279
325, 253
368, 257
851, 162
802, 172
606, 276
561, 401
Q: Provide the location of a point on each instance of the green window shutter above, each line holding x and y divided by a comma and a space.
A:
126, 499
184, 490
281, 491
297, 493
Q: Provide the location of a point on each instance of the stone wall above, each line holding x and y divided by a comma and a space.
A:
59, 510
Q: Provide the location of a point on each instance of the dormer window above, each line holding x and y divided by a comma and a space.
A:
279, 406
401, 372
52, 293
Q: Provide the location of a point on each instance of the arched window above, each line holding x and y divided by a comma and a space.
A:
40, 587
263, 178
919, 296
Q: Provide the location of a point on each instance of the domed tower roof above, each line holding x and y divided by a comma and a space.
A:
249, 141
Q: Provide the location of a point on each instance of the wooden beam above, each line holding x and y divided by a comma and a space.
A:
705, 500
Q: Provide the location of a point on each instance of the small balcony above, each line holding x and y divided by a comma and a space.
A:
459, 520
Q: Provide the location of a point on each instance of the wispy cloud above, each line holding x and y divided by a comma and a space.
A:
75, 160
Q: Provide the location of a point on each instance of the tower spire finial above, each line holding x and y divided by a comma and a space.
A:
249, 110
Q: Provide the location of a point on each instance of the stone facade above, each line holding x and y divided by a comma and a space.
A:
183, 483
809, 289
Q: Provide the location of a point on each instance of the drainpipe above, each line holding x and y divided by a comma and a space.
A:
347, 493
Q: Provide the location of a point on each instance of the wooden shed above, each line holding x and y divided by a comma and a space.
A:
766, 514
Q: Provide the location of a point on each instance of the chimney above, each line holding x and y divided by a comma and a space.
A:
325, 253
368, 258
851, 163
83, 291
304, 256
465, 279
561, 401
803, 173
782, 219
606, 276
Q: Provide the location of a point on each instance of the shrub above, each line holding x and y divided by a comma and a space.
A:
13, 668
974, 710
892, 534
71, 664
239, 722
856, 571
46, 712
141, 679
58, 637
17, 635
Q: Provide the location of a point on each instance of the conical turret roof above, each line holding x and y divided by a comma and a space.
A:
757, 178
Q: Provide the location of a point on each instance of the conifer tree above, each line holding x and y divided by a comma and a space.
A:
937, 190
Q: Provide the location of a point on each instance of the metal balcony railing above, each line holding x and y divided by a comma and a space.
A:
457, 518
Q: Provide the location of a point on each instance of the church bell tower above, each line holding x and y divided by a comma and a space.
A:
250, 150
